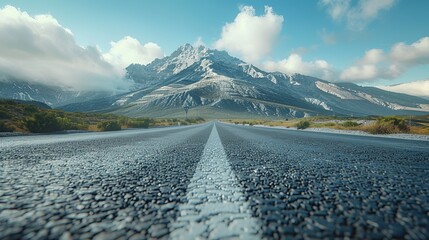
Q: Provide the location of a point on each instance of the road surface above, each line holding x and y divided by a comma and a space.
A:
213, 181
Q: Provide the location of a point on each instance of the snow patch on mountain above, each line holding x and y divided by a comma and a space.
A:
291, 80
319, 103
371, 99
205, 66
394, 106
424, 107
272, 78
125, 99
419, 107
336, 91
251, 71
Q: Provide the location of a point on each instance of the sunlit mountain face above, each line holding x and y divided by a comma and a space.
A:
216, 83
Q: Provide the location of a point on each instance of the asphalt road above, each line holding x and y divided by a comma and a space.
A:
214, 181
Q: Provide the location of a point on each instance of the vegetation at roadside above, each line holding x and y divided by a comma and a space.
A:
388, 125
303, 124
109, 126
372, 124
23, 117
4, 127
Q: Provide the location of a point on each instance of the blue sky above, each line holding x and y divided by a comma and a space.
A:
322, 42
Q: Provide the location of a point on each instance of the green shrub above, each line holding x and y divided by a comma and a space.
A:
4, 115
379, 129
139, 123
42, 122
109, 126
29, 109
329, 124
124, 121
389, 125
398, 123
350, 124
195, 120
66, 124
4, 127
303, 124
8, 102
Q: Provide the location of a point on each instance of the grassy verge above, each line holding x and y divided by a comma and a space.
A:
373, 125
271, 123
22, 117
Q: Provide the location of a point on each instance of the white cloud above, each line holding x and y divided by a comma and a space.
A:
358, 15
337, 9
295, 64
417, 88
369, 9
249, 36
376, 64
129, 50
360, 73
416, 53
366, 68
38, 49
373, 56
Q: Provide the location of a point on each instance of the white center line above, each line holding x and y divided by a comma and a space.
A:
216, 206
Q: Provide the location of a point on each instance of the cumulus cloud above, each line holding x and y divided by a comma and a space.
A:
417, 88
366, 68
376, 64
38, 49
129, 50
295, 64
337, 9
357, 15
360, 73
373, 56
416, 53
249, 36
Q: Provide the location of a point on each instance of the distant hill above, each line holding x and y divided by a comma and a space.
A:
34, 103
53, 96
21, 116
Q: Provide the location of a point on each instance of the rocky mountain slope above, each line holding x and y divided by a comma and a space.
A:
212, 83
52, 96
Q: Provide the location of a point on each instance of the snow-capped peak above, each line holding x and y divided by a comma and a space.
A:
182, 58
251, 71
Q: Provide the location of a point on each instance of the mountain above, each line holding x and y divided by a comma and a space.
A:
214, 84
52, 96
34, 103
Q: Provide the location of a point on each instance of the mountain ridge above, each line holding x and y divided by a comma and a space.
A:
213, 83
199, 77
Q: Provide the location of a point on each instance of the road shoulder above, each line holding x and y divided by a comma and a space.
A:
348, 132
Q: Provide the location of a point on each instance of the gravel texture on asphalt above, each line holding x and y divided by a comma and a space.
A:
213, 181
124, 185
319, 185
